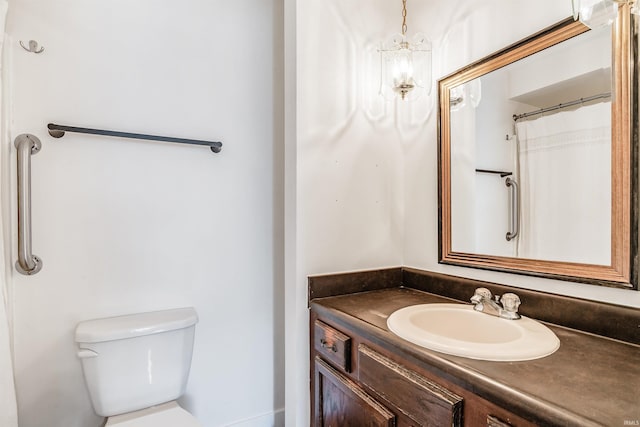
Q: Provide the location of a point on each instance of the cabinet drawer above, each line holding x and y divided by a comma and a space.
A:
422, 400
333, 345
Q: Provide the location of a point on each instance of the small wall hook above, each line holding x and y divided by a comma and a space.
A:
33, 47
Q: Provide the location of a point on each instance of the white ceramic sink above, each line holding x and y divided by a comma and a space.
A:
459, 330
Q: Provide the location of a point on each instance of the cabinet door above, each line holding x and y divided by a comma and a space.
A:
340, 402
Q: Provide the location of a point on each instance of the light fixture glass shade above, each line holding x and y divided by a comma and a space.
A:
595, 13
457, 98
405, 68
470, 92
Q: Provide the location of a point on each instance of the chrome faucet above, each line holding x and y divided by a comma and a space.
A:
505, 307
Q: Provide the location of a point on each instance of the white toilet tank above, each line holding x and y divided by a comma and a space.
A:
136, 361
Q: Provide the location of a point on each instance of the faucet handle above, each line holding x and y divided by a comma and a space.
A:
479, 295
510, 302
484, 292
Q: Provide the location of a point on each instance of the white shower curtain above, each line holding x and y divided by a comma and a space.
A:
565, 174
8, 410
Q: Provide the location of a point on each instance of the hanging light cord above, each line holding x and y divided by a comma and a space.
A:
404, 17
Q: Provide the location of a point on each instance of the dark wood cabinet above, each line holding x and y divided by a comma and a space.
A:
340, 402
359, 383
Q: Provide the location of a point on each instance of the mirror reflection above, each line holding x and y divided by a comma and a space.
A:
531, 155
536, 162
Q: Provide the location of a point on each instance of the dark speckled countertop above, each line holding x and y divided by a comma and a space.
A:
589, 380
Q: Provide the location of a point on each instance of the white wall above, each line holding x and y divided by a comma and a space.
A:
349, 197
367, 171
127, 226
582, 62
296, 313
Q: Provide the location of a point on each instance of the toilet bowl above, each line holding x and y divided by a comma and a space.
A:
136, 366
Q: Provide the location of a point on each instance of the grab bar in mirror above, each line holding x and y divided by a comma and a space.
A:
57, 131
515, 209
27, 263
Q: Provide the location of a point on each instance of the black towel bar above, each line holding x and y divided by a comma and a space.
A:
58, 131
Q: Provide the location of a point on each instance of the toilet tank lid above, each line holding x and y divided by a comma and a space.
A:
135, 325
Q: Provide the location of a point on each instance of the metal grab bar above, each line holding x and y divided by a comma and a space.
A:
27, 262
515, 209
57, 131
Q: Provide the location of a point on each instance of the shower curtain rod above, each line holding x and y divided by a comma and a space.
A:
57, 131
517, 117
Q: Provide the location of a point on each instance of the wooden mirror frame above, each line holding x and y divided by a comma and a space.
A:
623, 271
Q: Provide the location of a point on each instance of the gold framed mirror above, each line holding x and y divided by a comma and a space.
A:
538, 157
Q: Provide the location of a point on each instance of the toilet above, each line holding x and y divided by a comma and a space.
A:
136, 366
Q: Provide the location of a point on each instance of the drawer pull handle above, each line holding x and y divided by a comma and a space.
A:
326, 345
493, 421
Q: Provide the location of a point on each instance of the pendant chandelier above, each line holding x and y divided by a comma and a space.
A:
405, 70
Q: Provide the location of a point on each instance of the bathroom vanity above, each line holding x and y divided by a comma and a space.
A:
363, 374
